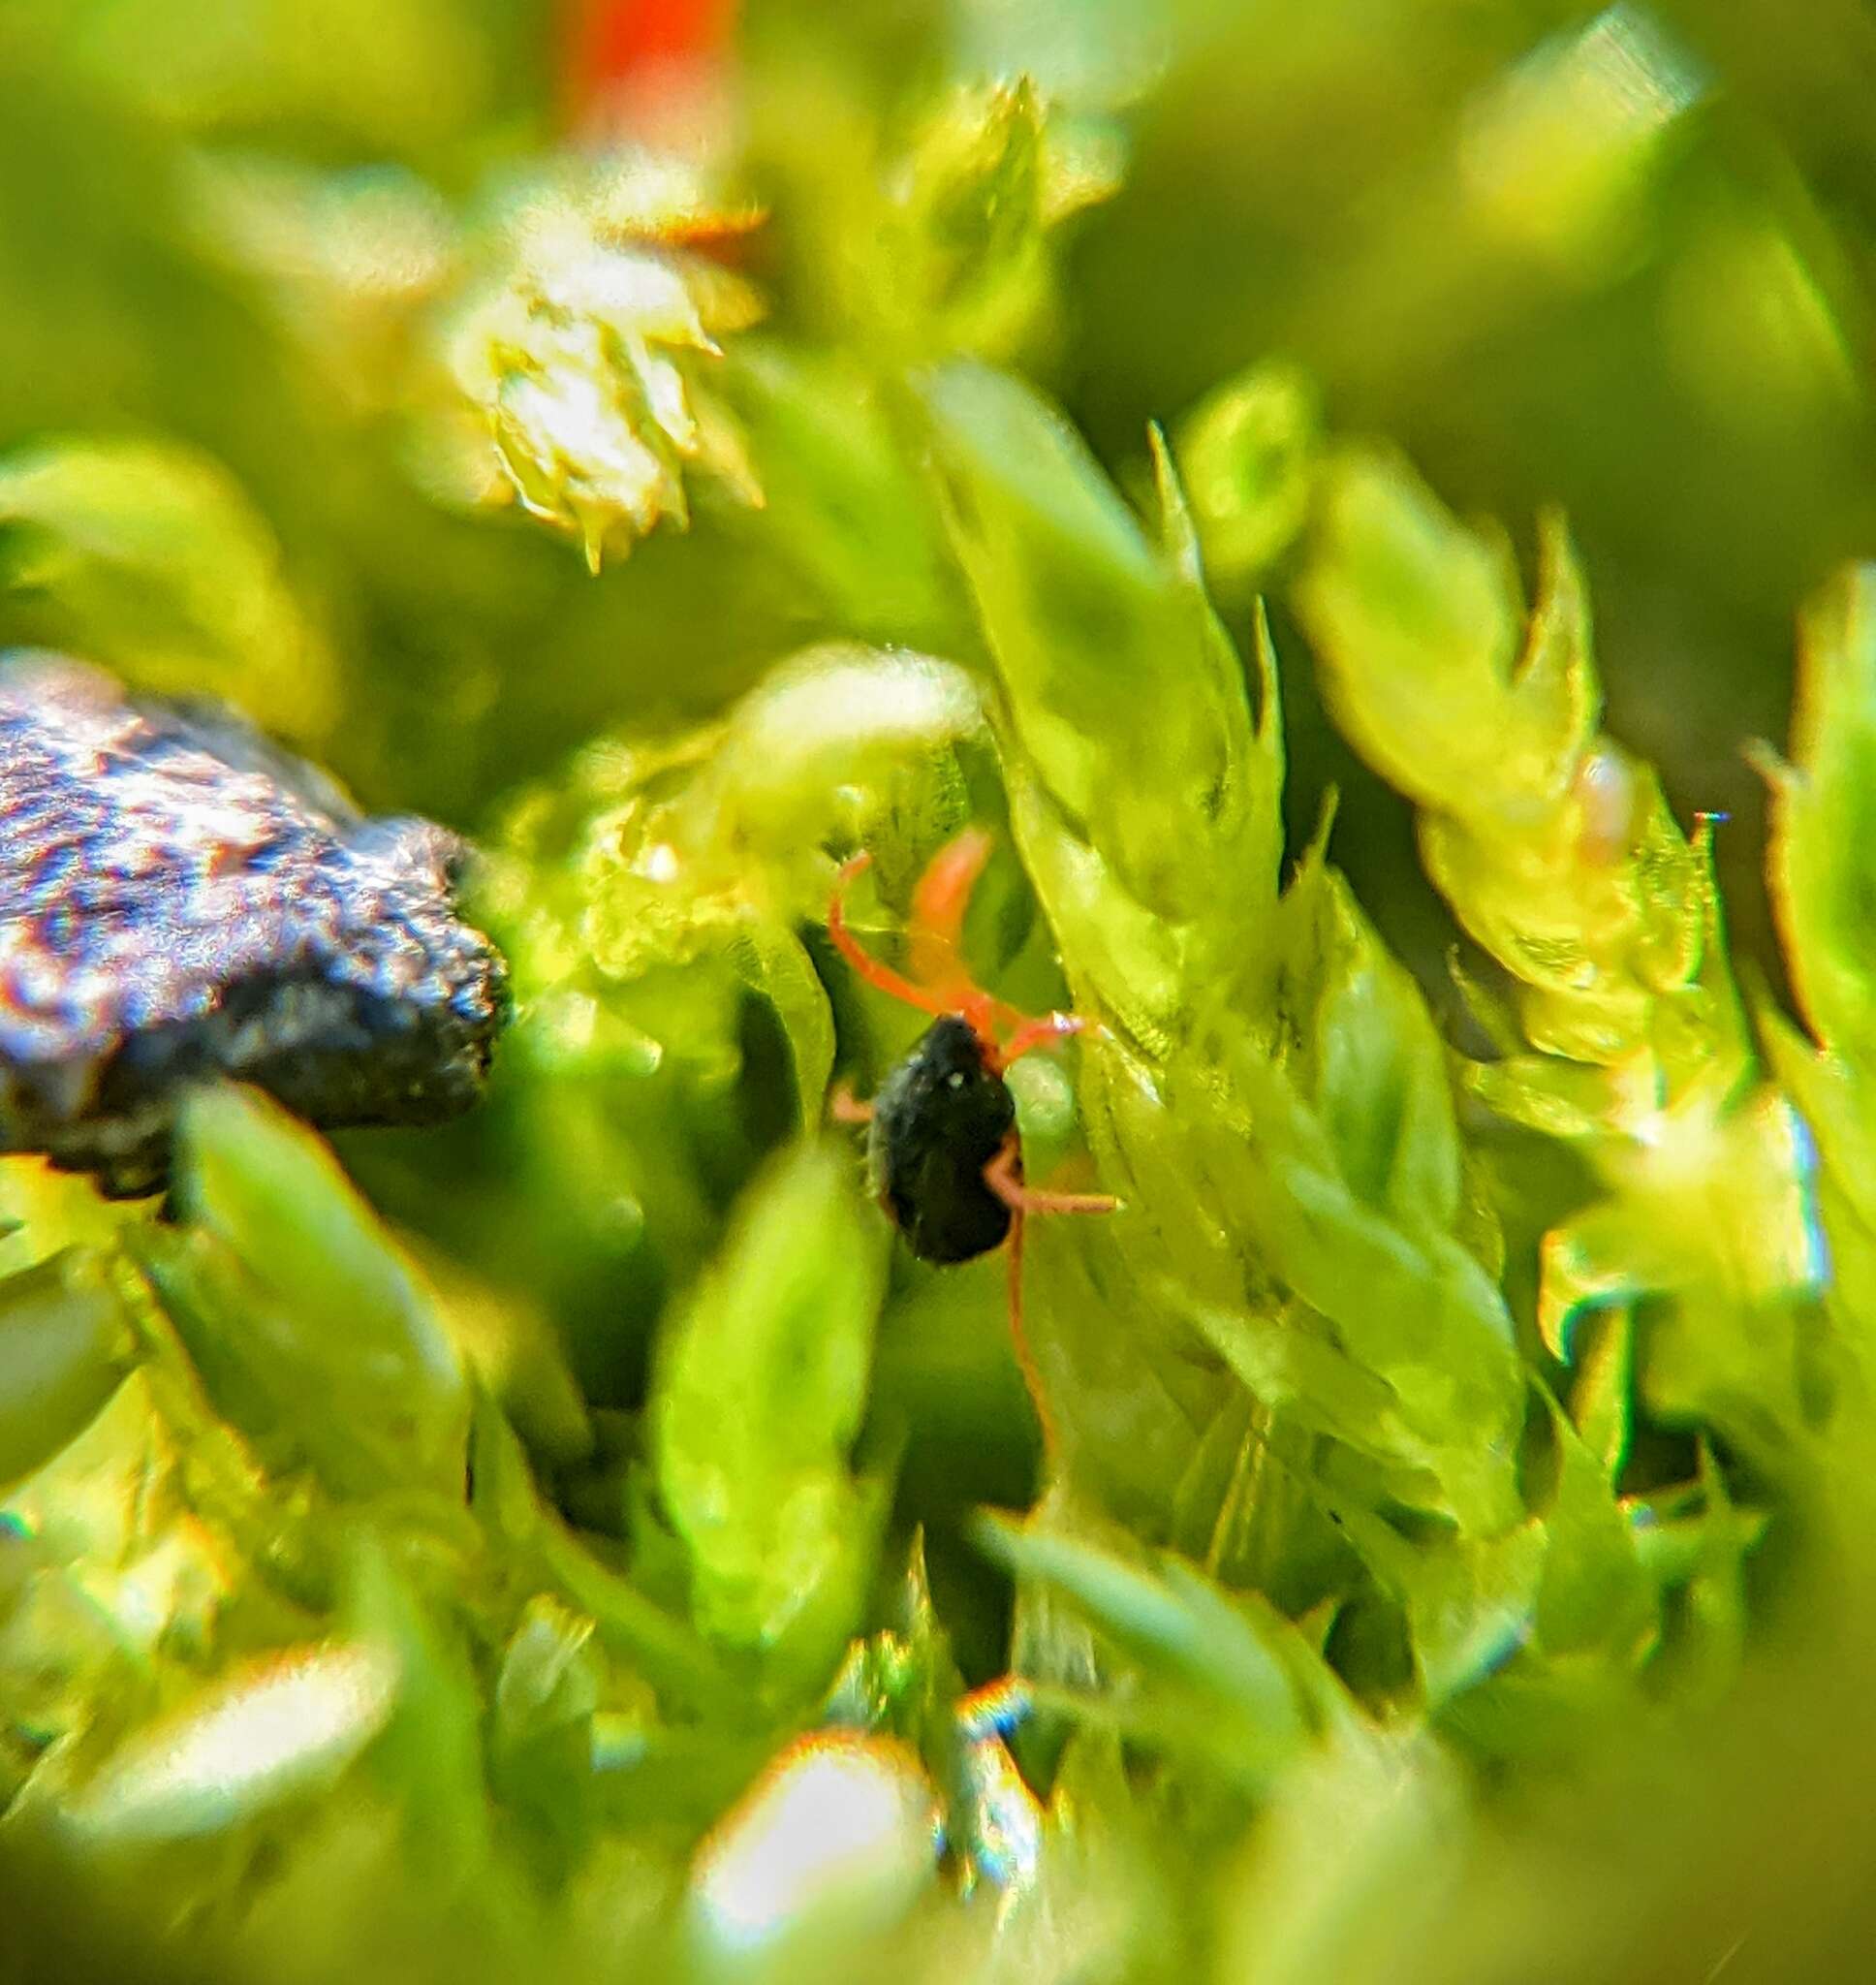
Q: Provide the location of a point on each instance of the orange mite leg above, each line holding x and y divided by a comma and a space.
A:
1032, 1378
1000, 1176
935, 927
867, 966
1040, 1034
844, 1107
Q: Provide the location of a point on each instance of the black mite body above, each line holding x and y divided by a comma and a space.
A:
942, 1132
940, 1118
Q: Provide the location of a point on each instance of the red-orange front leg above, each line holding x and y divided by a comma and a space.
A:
1003, 1175
935, 929
863, 962
939, 981
1042, 1033
844, 1107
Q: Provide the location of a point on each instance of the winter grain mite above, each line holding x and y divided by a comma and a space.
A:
942, 1145
179, 901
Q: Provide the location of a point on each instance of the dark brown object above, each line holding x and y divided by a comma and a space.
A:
179, 901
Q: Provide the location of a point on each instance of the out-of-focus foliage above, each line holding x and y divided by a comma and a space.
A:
578, 354
1563, 861
578, 1541
757, 1405
148, 557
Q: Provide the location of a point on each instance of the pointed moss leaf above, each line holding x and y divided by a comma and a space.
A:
430, 1752
628, 1622
150, 556
1705, 1655
1248, 452
1556, 696
109, 1495
1397, 1814
1601, 1401
1418, 621
1116, 1368
63, 1345
1319, 1693
347, 1332
760, 1390
1598, 920
1595, 1593
195, 1467
906, 1679
1376, 1064
1702, 1035
1678, 929
1470, 1602
1122, 959
1822, 822
547, 1692
1287, 1364
1563, 1099
1269, 731
274, 1729
1225, 1168
1557, 851
1691, 1527
1586, 1269
979, 178
1181, 1630
269, 1188
961, 257
774, 962
1206, 1510
1291, 1365
502, 1494
1718, 1206
1416, 1308
1122, 691
549, 1678
1255, 823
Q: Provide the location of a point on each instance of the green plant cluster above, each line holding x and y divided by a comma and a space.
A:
578, 1541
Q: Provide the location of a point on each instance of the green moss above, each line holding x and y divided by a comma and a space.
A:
1451, 1559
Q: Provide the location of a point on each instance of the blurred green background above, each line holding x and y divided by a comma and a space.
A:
1663, 329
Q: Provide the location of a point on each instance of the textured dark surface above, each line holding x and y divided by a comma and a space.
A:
938, 1120
178, 899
